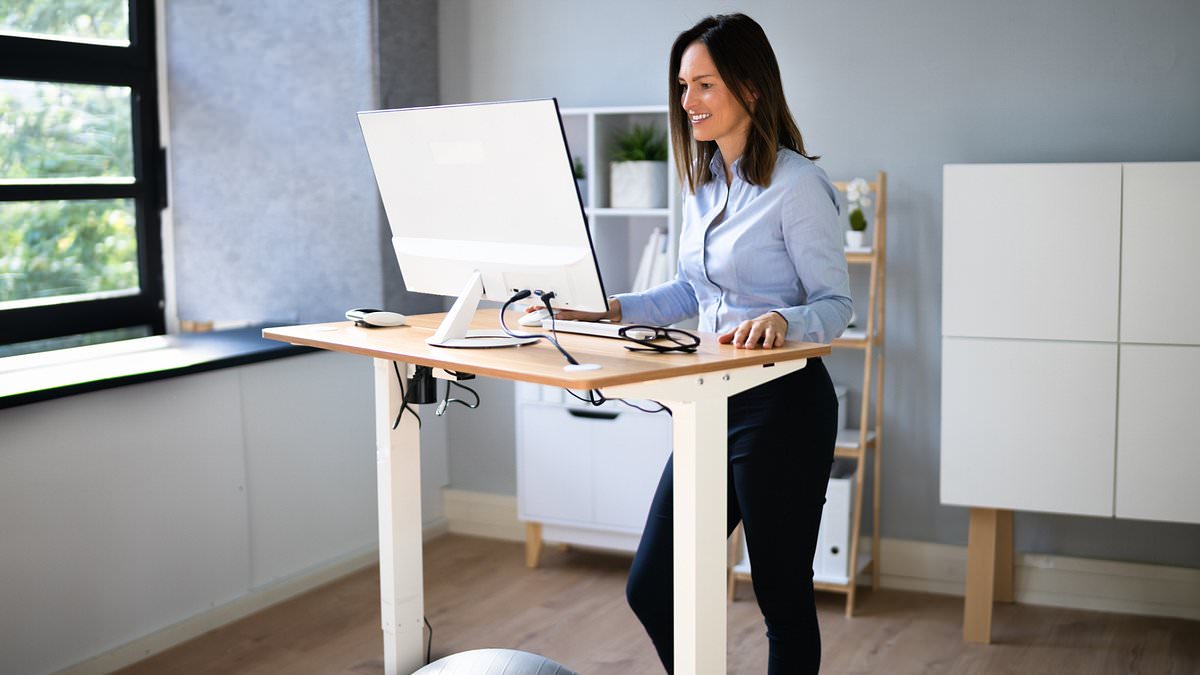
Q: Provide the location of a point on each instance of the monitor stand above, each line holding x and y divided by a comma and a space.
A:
453, 330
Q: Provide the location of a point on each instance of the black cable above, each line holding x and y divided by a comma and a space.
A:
597, 398
661, 407
429, 647
540, 336
403, 403
445, 403
594, 397
460, 385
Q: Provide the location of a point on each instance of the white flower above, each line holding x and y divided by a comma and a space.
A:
857, 193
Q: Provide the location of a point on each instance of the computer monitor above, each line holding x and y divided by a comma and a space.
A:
482, 203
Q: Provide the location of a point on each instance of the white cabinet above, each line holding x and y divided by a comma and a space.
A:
1071, 339
1160, 247
1031, 251
588, 474
1158, 439
1027, 425
554, 465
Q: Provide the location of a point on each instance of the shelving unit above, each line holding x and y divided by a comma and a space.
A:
596, 492
852, 443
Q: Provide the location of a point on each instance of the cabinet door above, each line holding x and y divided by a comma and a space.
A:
630, 453
1029, 425
1158, 444
1031, 251
1160, 285
554, 466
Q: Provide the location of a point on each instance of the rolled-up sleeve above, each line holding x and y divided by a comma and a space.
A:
813, 239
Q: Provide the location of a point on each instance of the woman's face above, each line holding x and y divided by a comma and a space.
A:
713, 110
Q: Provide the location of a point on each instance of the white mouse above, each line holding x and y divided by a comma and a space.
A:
375, 318
534, 318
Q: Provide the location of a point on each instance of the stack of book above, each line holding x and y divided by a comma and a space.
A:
655, 268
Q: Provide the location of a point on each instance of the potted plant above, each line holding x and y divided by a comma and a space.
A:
858, 197
580, 180
638, 170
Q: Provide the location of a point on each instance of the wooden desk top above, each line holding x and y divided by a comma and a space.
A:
539, 362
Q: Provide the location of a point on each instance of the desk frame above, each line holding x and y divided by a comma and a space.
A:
698, 401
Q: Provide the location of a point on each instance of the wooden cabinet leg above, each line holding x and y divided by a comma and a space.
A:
1004, 556
533, 544
981, 575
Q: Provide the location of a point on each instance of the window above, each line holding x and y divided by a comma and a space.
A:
81, 173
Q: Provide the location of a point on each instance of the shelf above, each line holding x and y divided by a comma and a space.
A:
847, 443
656, 213
859, 255
617, 110
741, 572
852, 338
842, 584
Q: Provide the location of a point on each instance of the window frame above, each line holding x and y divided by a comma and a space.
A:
133, 66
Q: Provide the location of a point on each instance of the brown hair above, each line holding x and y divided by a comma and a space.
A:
747, 64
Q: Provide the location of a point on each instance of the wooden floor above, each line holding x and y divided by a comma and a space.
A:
572, 609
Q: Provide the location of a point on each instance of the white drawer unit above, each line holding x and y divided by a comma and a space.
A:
1031, 251
1160, 244
1158, 442
586, 475
1039, 262
1070, 351
1027, 425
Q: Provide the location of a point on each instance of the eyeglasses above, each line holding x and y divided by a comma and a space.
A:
681, 340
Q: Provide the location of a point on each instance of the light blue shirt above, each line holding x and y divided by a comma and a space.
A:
777, 248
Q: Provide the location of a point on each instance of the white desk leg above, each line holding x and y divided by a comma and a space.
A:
700, 410
701, 465
401, 578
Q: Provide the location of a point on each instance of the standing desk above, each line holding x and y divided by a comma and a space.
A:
695, 387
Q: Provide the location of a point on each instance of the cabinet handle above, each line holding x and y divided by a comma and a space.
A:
593, 414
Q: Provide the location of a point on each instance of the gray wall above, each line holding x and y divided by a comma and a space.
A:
407, 33
275, 210
906, 87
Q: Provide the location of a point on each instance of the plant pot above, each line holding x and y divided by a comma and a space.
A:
637, 185
855, 238
581, 185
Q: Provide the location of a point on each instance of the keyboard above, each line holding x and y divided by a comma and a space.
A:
599, 328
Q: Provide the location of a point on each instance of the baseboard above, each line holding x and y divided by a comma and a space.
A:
1054, 581
1051, 580
482, 514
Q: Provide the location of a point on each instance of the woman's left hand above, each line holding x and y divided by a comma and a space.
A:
768, 330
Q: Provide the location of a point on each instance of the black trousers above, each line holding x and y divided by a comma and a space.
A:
781, 441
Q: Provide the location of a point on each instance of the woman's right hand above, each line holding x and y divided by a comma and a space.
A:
613, 314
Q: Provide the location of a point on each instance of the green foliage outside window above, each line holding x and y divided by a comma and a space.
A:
54, 131
88, 20
55, 248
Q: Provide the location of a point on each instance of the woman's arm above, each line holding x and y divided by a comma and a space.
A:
814, 243
662, 305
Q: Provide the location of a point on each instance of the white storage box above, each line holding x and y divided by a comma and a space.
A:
831, 563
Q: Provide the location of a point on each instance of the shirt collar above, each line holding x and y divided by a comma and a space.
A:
716, 165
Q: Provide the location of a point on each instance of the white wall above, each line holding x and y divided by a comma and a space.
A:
905, 87
127, 510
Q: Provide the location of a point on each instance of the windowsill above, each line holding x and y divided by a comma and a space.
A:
48, 375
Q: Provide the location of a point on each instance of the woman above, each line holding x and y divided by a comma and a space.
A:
760, 260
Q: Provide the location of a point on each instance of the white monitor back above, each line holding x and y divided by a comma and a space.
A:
484, 188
